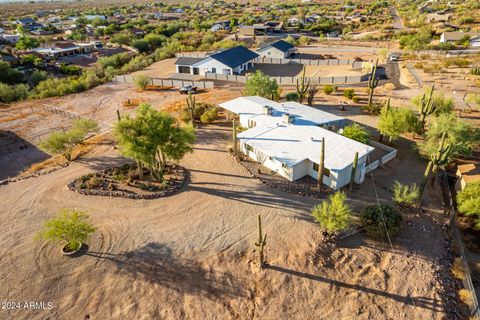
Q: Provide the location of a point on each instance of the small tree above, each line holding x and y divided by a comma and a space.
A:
405, 195
259, 84
381, 221
312, 91
141, 82
469, 202
357, 133
333, 215
64, 142
153, 138
395, 121
69, 226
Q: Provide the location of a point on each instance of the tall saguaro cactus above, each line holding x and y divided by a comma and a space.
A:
303, 85
427, 106
372, 83
262, 241
234, 137
354, 170
191, 105
439, 158
321, 165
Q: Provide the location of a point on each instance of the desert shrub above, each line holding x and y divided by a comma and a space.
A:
328, 89
356, 99
469, 202
465, 296
475, 71
209, 115
93, 182
333, 215
458, 269
378, 219
116, 61
138, 63
292, 96
38, 76
11, 93
141, 82
349, 93
374, 108
68, 226
70, 70
405, 195
357, 133
460, 62
200, 108
58, 87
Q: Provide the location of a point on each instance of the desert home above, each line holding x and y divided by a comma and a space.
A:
230, 61
277, 50
452, 37
286, 138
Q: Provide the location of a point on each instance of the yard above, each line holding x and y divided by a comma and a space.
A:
191, 255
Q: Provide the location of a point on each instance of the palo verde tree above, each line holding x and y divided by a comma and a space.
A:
334, 214
259, 84
356, 132
69, 226
395, 121
153, 138
372, 83
64, 142
303, 84
469, 202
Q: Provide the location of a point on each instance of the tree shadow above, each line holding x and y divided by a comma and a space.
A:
156, 263
421, 302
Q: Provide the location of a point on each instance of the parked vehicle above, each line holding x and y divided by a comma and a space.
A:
186, 89
394, 58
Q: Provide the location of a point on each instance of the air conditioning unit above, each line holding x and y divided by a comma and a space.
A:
288, 118
268, 110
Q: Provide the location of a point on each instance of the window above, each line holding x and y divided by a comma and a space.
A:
214, 70
326, 172
248, 147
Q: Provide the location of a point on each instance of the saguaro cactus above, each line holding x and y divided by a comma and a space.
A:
312, 91
427, 106
262, 241
354, 170
118, 115
302, 86
191, 105
372, 83
234, 137
321, 165
438, 158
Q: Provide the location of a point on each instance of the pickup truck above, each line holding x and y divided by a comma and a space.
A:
188, 89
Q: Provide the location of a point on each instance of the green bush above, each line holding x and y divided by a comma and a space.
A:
11, 93
292, 96
328, 89
405, 195
209, 115
68, 226
200, 108
58, 87
356, 99
376, 220
333, 215
469, 202
349, 93
38, 76
70, 70
357, 133
475, 71
141, 82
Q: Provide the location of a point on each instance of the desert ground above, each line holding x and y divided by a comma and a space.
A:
191, 255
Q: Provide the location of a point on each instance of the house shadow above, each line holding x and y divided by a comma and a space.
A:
414, 301
17, 154
157, 264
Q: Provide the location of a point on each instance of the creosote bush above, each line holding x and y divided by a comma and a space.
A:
377, 220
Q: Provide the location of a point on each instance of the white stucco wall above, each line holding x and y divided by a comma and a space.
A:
209, 64
271, 52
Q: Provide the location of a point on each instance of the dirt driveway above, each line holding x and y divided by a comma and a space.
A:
189, 256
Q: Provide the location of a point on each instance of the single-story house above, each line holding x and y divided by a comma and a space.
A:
65, 49
10, 38
434, 17
253, 30
451, 37
467, 174
286, 138
277, 50
231, 61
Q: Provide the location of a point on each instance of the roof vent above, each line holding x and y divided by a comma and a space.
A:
288, 118
268, 110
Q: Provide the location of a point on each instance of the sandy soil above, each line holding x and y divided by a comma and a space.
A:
191, 256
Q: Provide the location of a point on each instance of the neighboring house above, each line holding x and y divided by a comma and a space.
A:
216, 27
65, 49
253, 30
278, 50
95, 16
433, 17
231, 61
467, 174
29, 24
452, 37
286, 138
10, 38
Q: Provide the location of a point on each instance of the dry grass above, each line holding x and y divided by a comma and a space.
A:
156, 87
18, 116
465, 296
132, 103
458, 269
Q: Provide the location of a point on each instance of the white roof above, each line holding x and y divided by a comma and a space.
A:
252, 107
291, 144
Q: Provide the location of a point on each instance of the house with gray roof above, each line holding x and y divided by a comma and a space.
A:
230, 61
277, 50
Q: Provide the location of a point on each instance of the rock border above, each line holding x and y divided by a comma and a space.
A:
121, 194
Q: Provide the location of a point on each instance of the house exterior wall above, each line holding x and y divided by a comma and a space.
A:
212, 66
268, 162
274, 53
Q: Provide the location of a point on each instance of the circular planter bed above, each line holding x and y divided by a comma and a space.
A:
125, 182
67, 252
